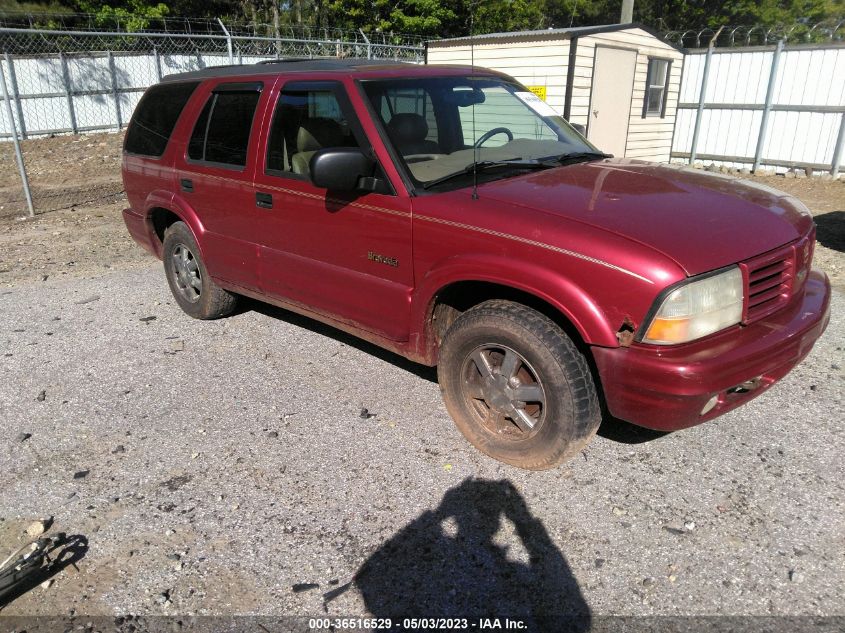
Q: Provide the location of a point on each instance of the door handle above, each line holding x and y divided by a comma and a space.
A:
187, 185
263, 200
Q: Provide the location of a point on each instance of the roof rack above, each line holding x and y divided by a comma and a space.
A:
285, 60
271, 66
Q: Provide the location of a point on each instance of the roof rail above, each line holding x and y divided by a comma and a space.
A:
285, 60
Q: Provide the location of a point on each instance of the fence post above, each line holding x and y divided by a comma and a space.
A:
228, 41
13, 131
369, 46
114, 92
767, 107
68, 94
837, 150
704, 77
13, 84
157, 62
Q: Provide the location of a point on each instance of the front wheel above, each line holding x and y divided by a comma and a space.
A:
516, 385
189, 281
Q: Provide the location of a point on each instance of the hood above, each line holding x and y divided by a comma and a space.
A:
702, 221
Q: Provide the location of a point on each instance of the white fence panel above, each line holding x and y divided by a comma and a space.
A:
54, 93
805, 117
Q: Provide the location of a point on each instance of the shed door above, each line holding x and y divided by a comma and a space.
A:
610, 102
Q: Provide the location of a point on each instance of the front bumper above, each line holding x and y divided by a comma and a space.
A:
666, 388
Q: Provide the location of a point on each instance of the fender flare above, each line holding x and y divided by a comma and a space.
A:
178, 206
564, 295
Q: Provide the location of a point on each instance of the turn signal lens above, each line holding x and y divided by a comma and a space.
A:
698, 308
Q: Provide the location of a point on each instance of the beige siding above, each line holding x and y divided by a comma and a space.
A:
532, 63
544, 62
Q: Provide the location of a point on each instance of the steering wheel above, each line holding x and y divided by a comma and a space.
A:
488, 135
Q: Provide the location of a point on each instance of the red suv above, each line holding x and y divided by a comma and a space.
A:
451, 216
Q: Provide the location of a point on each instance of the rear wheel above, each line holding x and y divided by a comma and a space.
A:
517, 387
192, 287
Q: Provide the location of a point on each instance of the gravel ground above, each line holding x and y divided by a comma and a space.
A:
224, 467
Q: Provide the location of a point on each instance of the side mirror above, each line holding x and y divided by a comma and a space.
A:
579, 128
340, 168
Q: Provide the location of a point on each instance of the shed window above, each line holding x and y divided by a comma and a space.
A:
657, 84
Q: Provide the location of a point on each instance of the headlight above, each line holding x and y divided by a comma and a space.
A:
697, 308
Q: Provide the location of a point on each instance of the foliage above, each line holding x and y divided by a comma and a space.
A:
131, 15
449, 18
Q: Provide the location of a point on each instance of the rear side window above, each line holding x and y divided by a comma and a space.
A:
155, 117
221, 133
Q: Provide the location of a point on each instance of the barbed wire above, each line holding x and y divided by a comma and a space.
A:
197, 26
826, 31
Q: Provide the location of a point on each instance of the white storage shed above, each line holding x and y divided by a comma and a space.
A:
620, 81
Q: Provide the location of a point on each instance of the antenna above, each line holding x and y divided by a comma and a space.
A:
471, 74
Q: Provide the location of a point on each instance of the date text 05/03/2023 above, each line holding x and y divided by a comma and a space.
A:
415, 624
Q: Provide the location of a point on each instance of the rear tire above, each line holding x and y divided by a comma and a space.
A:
189, 281
516, 385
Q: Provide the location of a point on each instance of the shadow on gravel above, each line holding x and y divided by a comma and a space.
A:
830, 230
246, 305
449, 562
62, 552
623, 432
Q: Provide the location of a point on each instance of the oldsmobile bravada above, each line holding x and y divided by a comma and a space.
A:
449, 215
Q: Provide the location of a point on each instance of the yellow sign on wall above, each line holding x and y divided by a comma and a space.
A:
540, 91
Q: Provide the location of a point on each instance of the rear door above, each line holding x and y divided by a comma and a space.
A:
214, 177
346, 255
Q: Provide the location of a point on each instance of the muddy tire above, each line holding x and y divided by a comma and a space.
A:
192, 287
516, 385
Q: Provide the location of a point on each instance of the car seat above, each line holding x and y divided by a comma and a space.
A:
408, 132
314, 134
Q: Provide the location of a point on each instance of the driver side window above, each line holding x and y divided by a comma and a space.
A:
305, 121
501, 108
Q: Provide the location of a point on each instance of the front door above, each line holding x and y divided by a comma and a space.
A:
610, 101
345, 254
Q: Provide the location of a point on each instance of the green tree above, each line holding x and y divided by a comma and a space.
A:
131, 15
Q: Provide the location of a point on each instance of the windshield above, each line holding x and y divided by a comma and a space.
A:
440, 126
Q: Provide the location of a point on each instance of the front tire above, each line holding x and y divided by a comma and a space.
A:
516, 385
189, 281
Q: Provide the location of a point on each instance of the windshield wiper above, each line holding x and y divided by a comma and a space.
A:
581, 157
483, 165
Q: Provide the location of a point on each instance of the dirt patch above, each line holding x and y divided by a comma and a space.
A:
63, 171
77, 241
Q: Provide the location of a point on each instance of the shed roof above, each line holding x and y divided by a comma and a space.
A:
545, 34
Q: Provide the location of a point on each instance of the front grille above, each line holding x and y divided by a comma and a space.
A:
768, 282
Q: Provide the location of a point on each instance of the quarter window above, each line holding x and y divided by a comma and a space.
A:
156, 116
221, 133
657, 83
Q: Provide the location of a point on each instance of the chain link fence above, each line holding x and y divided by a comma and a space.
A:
62, 82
